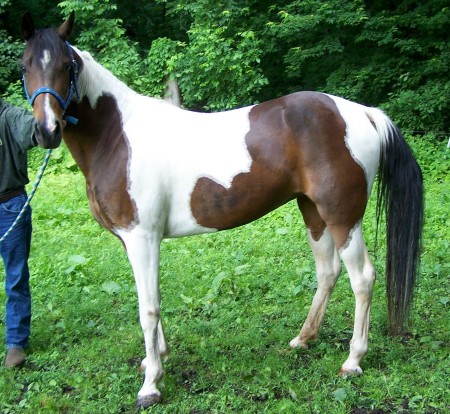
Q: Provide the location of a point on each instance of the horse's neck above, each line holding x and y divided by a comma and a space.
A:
103, 106
95, 81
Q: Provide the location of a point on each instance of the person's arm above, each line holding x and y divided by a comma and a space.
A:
19, 124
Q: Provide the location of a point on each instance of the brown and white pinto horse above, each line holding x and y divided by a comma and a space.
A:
154, 171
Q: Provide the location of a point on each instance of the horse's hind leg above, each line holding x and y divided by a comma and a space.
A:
328, 268
362, 278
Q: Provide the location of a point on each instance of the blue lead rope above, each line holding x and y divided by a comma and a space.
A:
35, 186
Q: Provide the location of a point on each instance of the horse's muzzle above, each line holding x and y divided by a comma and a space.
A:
46, 138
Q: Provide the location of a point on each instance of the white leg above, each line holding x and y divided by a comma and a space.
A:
362, 279
328, 268
143, 253
162, 346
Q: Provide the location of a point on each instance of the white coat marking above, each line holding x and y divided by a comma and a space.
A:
176, 148
49, 114
45, 60
362, 279
361, 137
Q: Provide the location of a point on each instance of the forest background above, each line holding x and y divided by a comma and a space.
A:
225, 53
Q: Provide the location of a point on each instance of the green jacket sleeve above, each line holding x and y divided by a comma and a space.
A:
18, 124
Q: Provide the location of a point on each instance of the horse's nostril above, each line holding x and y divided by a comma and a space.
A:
46, 138
57, 130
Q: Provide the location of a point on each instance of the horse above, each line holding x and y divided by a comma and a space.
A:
154, 171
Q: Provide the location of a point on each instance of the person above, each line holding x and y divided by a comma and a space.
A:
16, 137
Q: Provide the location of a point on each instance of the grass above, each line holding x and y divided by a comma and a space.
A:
230, 303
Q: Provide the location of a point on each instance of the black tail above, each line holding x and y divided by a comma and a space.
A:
400, 196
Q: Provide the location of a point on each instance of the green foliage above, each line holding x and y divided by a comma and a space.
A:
227, 53
15, 95
3, 5
102, 35
217, 67
312, 37
11, 51
417, 109
161, 63
396, 57
216, 72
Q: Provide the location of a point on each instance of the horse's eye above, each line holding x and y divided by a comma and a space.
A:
67, 66
23, 68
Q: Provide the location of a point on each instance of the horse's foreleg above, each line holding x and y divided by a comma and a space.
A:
162, 346
143, 252
328, 269
362, 279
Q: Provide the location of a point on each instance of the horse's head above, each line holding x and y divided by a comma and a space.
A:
49, 76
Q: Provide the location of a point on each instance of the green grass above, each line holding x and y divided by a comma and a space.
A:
231, 302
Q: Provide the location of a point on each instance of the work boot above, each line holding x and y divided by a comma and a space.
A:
15, 357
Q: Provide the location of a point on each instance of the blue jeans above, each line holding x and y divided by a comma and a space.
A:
15, 250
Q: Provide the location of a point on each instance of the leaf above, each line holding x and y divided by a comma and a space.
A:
340, 394
71, 165
293, 394
444, 300
425, 339
240, 270
69, 270
61, 325
78, 260
111, 287
297, 290
218, 280
186, 299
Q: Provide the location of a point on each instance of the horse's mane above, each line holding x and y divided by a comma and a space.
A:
98, 76
95, 80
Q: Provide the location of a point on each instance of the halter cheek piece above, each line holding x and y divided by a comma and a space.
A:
73, 88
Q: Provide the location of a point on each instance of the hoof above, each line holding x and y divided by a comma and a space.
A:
349, 372
298, 343
148, 401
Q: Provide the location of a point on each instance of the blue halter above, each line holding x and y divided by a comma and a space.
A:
73, 88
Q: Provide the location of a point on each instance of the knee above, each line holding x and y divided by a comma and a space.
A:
363, 286
149, 315
327, 278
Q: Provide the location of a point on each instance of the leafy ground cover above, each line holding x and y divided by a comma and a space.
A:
230, 303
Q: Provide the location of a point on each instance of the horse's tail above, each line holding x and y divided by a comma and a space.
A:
400, 196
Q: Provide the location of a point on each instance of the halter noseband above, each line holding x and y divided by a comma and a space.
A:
73, 87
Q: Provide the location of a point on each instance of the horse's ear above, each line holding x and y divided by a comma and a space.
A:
65, 30
28, 27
